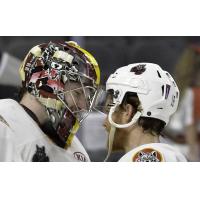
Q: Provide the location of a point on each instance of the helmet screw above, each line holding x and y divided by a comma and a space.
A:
116, 94
149, 113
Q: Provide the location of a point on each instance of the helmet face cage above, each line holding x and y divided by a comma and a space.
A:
83, 93
48, 68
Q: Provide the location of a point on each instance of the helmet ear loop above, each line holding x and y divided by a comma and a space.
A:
110, 141
115, 125
133, 121
112, 132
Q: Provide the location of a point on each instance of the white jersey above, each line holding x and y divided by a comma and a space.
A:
154, 152
21, 139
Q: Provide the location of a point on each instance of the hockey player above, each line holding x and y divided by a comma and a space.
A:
60, 82
140, 99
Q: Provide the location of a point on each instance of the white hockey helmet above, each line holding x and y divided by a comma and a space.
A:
155, 88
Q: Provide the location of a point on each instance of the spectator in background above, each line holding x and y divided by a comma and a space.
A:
186, 121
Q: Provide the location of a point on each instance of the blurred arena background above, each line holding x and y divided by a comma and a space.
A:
111, 53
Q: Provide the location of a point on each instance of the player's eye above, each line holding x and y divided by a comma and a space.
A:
77, 93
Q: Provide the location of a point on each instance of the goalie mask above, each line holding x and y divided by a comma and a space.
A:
64, 78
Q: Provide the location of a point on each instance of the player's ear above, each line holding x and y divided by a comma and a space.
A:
128, 112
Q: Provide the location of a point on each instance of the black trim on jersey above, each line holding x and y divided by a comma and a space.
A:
46, 128
31, 114
49, 130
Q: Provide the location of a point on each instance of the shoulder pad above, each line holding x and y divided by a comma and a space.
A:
147, 155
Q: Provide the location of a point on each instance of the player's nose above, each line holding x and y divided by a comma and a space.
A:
82, 104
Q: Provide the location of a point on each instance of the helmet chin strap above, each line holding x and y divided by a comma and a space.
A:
110, 141
115, 125
133, 121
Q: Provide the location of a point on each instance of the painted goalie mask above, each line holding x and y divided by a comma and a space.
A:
64, 78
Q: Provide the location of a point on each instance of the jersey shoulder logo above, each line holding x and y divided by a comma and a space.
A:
148, 155
80, 156
40, 155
